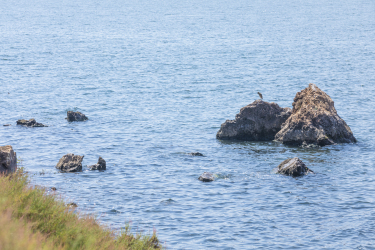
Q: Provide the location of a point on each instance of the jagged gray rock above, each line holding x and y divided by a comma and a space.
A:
258, 121
314, 120
70, 163
8, 160
76, 116
206, 177
101, 165
293, 167
30, 123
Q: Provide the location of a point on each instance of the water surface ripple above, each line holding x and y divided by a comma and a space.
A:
157, 79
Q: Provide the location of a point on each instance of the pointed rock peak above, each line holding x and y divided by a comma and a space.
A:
314, 120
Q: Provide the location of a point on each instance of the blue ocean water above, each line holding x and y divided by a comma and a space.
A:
157, 79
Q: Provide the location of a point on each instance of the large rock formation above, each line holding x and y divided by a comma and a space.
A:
258, 121
293, 167
314, 120
101, 165
70, 163
30, 123
76, 116
8, 160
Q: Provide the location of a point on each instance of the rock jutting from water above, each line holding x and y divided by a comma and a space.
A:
8, 160
196, 154
293, 167
101, 165
76, 117
70, 163
206, 177
314, 120
258, 121
30, 123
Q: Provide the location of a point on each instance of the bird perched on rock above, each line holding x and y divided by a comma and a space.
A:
260, 95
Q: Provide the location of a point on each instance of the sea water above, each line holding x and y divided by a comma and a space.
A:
157, 79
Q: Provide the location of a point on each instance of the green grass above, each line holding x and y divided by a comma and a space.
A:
32, 219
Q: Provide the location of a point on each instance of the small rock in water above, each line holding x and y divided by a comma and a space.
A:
72, 204
53, 188
70, 163
196, 154
30, 123
76, 116
293, 167
101, 165
206, 177
6, 125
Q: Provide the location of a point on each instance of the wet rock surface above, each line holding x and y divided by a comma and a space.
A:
206, 177
101, 165
293, 167
196, 154
258, 121
8, 160
314, 120
30, 123
76, 116
70, 163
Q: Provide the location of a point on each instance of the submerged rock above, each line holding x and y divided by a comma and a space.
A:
76, 116
8, 160
196, 154
70, 163
101, 165
72, 204
258, 121
293, 167
206, 177
30, 123
314, 120
6, 125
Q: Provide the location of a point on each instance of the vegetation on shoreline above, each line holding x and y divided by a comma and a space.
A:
32, 219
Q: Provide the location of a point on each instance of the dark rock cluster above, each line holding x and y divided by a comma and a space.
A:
312, 121
30, 123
